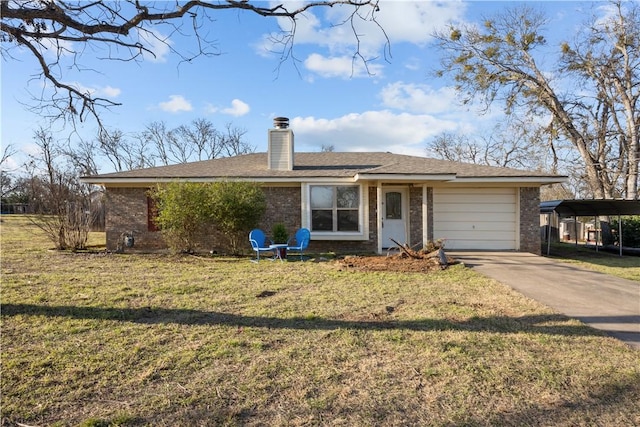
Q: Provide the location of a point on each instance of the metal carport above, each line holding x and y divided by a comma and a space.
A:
593, 207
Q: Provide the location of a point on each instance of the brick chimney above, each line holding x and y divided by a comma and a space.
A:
280, 154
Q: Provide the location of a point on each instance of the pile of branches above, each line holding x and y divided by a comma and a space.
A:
431, 254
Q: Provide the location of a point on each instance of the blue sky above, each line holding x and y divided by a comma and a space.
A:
398, 107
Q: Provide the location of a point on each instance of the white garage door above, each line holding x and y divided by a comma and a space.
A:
475, 218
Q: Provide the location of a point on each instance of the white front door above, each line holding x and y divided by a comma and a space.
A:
394, 216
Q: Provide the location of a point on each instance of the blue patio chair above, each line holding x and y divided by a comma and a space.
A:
301, 239
259, 243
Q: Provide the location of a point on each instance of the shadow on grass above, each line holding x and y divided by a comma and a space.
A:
542, 324
603, 256
612, 400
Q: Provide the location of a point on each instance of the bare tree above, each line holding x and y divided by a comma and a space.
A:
606, 59
7, 152
126, 31
6, 180
234, 143
158, 137
159, 145
114, 147
82, 157
59, 200
499, 61
513, 143
201, 137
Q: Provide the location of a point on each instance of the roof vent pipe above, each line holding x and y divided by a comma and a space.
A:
281, 122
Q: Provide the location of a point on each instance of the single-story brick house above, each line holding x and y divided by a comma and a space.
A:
354, 202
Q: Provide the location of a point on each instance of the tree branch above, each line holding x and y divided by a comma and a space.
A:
105, 23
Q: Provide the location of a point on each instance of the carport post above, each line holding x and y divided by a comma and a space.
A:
595, 224
549, 233
620, 234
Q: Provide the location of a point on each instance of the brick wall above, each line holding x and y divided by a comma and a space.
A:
415, 216
126, 211
283, 206
530, 220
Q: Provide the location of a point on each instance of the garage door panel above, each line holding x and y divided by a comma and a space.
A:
475, 218
474, 207
475, 190
477, 235
474, 198
448, 226
492, 245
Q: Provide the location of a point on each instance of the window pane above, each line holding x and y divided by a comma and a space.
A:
321, 197
348, 220
348, 197
322, 220
393, 205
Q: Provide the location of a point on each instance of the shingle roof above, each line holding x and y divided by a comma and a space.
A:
318, 165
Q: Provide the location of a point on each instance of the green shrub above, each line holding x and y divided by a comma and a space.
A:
186, 210
630, 231
237, 207
279, 233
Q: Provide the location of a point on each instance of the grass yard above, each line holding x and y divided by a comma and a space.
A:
627, 267
97, 339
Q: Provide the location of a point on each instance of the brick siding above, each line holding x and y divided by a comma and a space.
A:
415, 216
530, 220
127, 210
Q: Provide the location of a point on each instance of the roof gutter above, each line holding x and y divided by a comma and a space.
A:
387, 177
160, 180
513, 179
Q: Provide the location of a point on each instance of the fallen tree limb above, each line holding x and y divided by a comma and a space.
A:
407, 250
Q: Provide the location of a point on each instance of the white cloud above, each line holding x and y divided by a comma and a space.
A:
401, 21
55, 48
343, 66
237, 109
110, 92
414, 21
419, 98
402, 133
104, 91
176, 104
157, 43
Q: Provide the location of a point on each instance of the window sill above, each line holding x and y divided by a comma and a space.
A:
326, 235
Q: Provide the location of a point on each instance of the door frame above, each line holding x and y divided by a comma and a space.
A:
404, 191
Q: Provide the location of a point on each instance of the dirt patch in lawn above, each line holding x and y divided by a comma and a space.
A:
400, 262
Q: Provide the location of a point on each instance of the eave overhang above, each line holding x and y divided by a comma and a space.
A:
538, 180
358, 177
404, 177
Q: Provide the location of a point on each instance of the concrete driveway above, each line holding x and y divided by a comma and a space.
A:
599, 300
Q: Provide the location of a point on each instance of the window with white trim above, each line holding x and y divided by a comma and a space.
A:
335, 208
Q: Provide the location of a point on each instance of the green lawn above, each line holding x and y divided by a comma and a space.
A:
627, 267
98, 339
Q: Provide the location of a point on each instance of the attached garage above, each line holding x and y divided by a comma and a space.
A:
476, 218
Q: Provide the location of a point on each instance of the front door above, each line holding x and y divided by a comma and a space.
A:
394, 217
